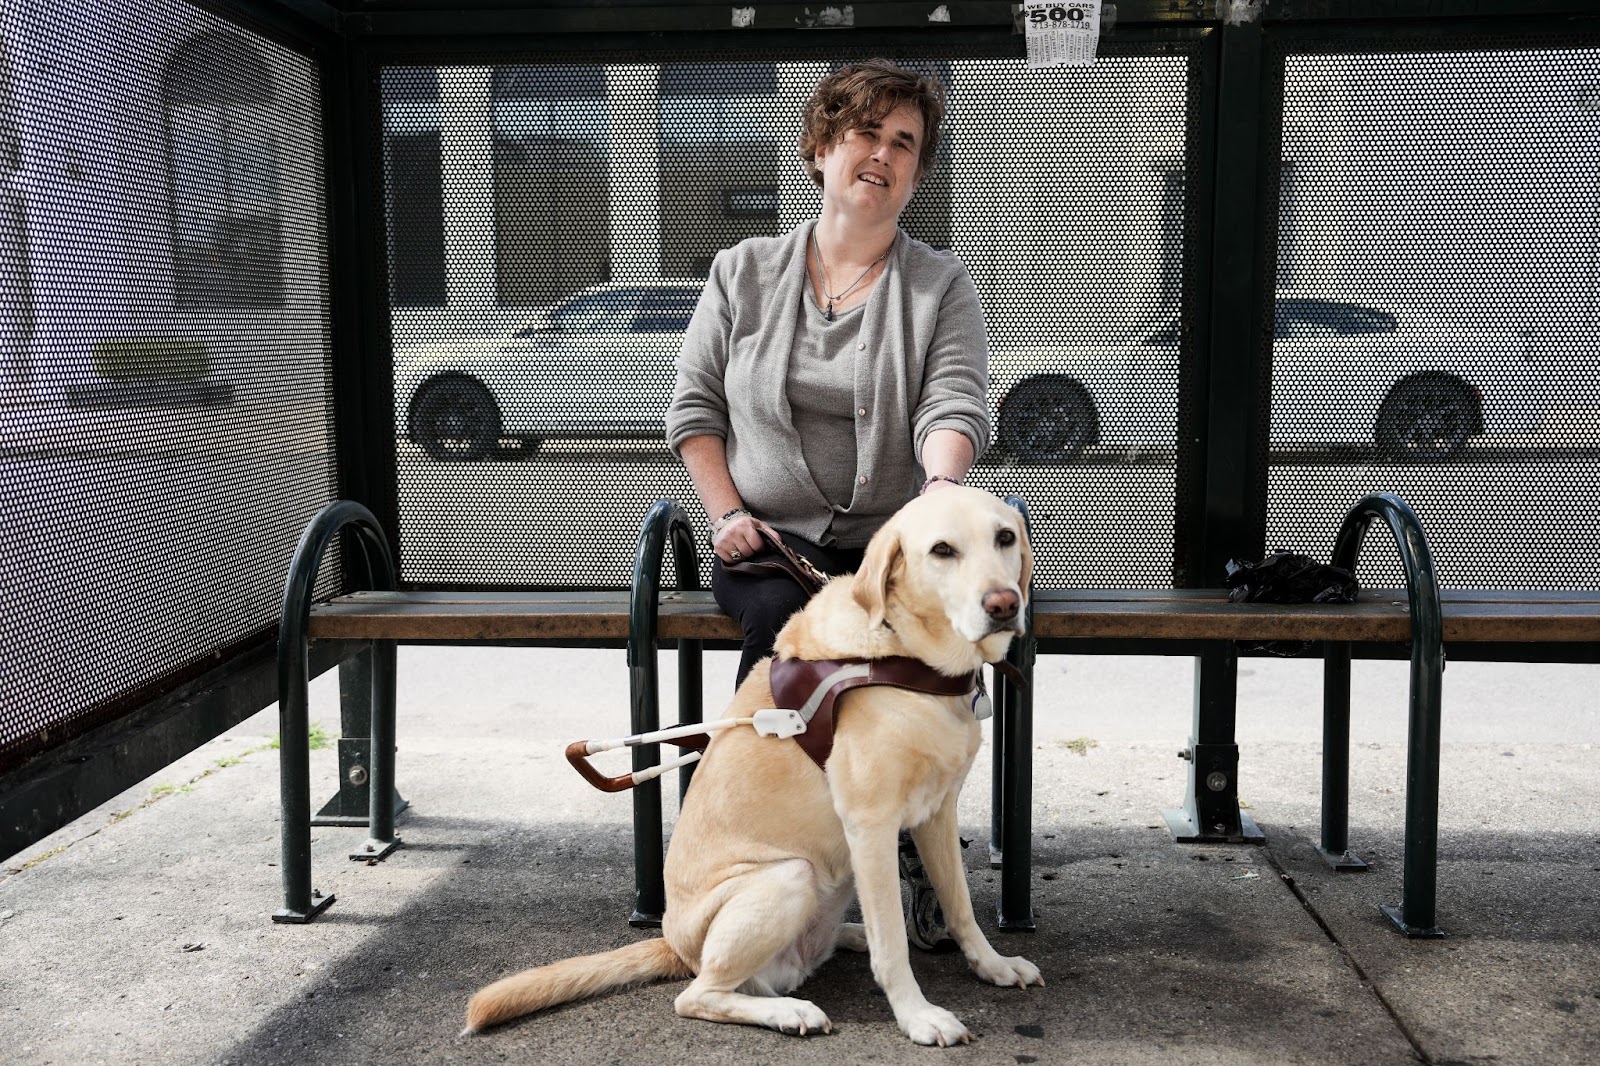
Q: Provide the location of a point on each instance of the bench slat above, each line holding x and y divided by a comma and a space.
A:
1063, 596
1160, 614
1446, 597
344, 620
488, 596
1216, 620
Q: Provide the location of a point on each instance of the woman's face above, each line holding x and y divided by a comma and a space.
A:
873, 170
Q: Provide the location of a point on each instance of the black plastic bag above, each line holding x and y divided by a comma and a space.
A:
1288, 577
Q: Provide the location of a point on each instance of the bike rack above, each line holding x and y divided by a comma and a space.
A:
665, 520
300, 902
1011, 784
1415, 916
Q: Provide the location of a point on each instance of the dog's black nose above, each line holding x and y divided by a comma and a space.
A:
1002, 604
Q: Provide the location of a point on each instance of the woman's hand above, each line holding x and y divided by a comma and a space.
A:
740, 539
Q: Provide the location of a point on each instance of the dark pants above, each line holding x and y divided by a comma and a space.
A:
762, 603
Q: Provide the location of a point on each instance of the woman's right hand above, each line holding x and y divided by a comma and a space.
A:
741, 539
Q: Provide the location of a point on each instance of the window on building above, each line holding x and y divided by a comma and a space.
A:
222, 175
16, 282
721, 125
1169, 281
1290, 249
552, 187
414, 186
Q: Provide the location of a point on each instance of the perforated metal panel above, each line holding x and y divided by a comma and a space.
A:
550, 221
164, 366
1435, 327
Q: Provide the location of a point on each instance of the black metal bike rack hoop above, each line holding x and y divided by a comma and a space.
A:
1011, 795
1415, 916
300, 903
666, 519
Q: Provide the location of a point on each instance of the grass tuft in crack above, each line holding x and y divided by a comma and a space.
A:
317, 737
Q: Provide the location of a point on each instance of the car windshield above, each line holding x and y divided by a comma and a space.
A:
1306, 319
641, 310
1295, 318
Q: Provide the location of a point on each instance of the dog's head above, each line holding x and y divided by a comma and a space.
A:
952, 564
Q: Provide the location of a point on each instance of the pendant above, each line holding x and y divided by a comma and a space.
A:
982, 706
828, 314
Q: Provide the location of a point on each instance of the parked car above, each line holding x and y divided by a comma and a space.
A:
1343, 373
599, 365
596, 365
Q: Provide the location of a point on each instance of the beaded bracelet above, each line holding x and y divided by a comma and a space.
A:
937, 477
716, 527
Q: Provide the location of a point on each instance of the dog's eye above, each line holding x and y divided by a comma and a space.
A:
942, 548
1005, 538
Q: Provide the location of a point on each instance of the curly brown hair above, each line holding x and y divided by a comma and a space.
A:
859, 94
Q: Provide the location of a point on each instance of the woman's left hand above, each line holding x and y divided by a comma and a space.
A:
740, 539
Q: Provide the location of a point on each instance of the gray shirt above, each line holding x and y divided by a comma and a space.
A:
822, 396
921, 360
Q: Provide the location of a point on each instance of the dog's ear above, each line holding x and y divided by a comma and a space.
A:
870, 587
1025, 581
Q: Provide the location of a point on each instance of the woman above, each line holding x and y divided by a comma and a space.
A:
831, 373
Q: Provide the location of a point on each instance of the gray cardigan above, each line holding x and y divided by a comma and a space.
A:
923, 366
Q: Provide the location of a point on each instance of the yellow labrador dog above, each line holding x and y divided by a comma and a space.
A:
769, 849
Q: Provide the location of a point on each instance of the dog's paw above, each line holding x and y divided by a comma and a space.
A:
934, 1025
797, 1017
852, 937
1015, 972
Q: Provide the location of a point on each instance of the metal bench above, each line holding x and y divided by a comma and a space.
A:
645, 617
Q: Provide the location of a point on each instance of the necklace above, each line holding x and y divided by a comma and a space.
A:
826, 284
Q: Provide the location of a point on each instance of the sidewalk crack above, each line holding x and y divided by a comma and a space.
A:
1350, 960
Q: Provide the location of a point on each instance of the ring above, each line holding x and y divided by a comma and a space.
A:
735, 554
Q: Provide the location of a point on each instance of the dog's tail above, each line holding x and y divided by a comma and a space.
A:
580, 978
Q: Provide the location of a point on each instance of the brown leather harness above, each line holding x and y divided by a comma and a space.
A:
805, 692
813, 686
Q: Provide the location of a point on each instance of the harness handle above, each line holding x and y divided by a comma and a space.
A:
578, 755
769, 722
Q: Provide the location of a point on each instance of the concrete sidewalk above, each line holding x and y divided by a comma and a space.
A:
140, 934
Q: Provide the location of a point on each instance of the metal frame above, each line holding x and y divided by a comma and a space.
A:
1415, 915
665, 521
1011, 796
350, 38
302, 903
1229, 489
175, 714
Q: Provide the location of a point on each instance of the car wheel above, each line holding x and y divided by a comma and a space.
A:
1425, 420
1047, 420
455, 418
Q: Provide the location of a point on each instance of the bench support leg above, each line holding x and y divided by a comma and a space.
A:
665, 520
348, 806
649, 847
1014, 734
649, 851
997, 774
1416, 915
381, 839
1210, 813
301, 902
691, 699
1335, 846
